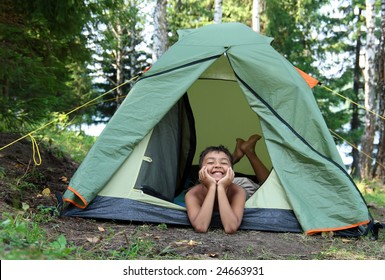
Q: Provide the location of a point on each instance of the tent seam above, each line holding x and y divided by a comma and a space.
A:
181, 66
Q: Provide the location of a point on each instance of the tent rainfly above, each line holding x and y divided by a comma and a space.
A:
217, 83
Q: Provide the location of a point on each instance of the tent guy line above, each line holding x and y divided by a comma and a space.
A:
353, 102
355, 147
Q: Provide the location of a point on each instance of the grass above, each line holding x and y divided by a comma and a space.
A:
23, 238
138, 245
353, 249
2, 173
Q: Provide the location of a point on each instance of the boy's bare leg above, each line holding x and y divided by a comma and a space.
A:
238, 153
248, 148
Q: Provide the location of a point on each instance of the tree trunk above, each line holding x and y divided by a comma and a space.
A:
119, 64
256, 20
133, 59
355, 123
380, 167
370, 93
218, 11
160, 29
117, 53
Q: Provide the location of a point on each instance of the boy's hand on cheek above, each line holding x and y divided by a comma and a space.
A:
205, 178
226, 181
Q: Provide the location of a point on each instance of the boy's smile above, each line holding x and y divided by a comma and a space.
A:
217, 164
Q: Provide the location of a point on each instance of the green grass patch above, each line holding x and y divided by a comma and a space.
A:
363, 248
21, 238
3, 173
377, 199
373, 192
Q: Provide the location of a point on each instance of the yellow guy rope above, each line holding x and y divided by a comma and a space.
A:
355, 147
35, 147
355, 103
35, 150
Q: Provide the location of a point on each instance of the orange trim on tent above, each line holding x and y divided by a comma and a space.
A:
312, 82
311, 232
79, 196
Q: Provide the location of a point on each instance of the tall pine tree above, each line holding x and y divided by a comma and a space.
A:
119, 53
41, 48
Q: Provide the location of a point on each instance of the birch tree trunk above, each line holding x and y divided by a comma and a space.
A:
256, 20
160, 29
218, 11
118, 60
355, 122
370, 93
380, 168
133, 58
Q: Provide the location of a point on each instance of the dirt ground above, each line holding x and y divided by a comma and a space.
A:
101, 237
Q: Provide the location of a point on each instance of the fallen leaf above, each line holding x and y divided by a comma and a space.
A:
192, 243
181, 242
187, 243
213, 255
101, 229
64, 179
46, 192
93, 239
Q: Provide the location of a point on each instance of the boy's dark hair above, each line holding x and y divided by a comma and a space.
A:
210, 149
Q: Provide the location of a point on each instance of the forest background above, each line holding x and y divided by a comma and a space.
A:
59, 55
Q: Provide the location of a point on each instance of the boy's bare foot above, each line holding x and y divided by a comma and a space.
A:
238, 153
249, 145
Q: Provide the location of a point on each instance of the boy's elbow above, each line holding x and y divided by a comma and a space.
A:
200, 226
201, 229
230, 230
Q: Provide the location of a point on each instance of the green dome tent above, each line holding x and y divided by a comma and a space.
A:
217, 83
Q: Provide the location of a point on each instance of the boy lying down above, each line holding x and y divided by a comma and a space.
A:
218, 190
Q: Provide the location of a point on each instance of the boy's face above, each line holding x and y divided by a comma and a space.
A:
217, 164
